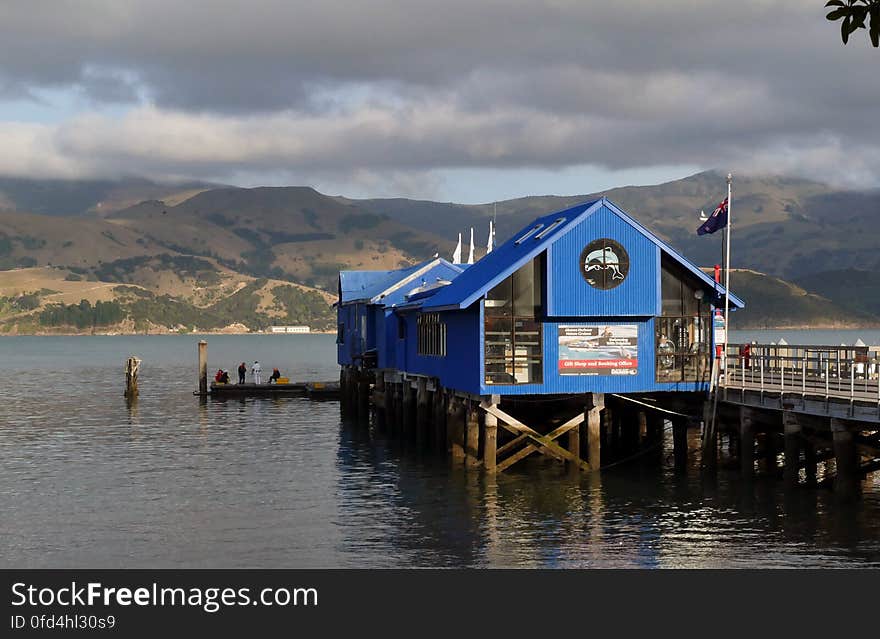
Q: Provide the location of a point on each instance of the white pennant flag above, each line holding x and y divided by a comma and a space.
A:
471, 253
491, 244
456, 254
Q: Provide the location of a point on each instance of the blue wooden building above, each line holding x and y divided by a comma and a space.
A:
584, 300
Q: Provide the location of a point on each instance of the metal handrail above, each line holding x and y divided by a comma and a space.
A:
810, 368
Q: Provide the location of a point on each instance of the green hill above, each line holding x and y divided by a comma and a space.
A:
196, 249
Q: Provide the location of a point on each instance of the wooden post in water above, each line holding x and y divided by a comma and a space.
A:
455, 417
438, 416
594, 430
607, 425
810, 461
132, 366
746, 443
422, 415
203, 367
679, 442
490, 442
574, 447
846, 458
709, 460
643, 427
792, 431
472, 445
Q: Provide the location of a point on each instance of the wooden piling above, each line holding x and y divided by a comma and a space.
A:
490, 442
679, 442
422, 414
455, 417
438, 417
593, 422
746, 443
400, 406
709, 460
810, 461
792, 434
846, 458
363, 386
643, 427
203, 367
574, 447
770, 451
607, 426
132, 367
472, 444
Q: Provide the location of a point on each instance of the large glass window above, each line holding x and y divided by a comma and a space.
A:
513, 328
682, 332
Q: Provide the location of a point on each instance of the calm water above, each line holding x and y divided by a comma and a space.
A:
87, 482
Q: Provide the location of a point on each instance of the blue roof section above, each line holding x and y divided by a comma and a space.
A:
439, 269
391, 287
681, 259
492, 269
504, 260
363, 285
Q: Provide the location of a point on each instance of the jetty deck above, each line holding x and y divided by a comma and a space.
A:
310, 389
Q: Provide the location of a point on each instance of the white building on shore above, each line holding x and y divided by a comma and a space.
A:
289, 329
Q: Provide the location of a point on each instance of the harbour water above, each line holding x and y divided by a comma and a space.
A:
88, 481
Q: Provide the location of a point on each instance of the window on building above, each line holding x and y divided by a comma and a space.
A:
340, 333
512, 330
401, 327
682, 332
432, 335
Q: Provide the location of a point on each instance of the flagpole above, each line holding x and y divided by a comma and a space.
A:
727, 272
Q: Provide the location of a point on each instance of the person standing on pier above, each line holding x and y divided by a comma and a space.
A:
257, 371
242, 371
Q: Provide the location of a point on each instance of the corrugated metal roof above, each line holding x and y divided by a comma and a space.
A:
530, 241
430, 272
681, 259
505, 259
390, 287
355, 285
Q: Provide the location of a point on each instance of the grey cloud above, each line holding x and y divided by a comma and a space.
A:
386, 85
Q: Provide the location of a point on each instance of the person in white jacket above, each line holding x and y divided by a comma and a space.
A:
257, 372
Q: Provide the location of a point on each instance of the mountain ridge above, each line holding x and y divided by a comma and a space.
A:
197, 247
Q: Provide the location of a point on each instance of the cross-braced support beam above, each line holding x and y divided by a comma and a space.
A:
528, 441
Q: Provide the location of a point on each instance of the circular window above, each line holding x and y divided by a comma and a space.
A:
604, 264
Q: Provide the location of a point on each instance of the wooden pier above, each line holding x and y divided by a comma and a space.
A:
816, 406
310, 389
582, 431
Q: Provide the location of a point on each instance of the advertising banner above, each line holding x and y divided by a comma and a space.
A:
598, 349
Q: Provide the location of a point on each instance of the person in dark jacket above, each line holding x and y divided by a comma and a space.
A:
242, 371
273, 378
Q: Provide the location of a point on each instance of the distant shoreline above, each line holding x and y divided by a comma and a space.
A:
821, 327
158, 334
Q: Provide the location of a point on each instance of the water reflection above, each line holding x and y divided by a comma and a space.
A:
642, 515
171, 481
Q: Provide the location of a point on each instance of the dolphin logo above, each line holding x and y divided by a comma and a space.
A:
604, 258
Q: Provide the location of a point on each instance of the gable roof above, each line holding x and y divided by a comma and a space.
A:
376, 287
529, 242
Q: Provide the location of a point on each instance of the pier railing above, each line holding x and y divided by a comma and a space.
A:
829, 372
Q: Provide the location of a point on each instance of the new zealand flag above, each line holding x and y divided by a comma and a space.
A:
718, 220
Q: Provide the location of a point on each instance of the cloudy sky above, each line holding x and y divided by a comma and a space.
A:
466, 100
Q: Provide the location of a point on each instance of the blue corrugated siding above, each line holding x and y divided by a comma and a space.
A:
555, 383
569, 295
462, 367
